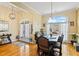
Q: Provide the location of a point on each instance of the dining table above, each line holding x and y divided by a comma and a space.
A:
52, 38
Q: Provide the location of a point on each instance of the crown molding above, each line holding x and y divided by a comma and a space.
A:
24, 7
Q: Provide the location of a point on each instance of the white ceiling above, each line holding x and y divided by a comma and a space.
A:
45, 7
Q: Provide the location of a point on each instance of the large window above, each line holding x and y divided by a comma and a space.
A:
58, 25
4, 26
57, 19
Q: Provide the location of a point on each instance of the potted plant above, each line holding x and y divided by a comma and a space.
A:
74, 38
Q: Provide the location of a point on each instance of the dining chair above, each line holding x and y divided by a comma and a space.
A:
44, 48
36, 37
58, 46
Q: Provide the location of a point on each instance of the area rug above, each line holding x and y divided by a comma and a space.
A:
19, 43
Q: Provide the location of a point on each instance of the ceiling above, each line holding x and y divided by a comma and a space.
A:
9, 6
45, 7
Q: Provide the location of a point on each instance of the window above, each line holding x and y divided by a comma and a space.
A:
57, 19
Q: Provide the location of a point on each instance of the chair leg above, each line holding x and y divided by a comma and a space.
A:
61, 51
60, 54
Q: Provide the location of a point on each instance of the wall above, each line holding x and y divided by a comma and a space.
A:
71, 16
13, 24
34, 18
32, 15
78, 21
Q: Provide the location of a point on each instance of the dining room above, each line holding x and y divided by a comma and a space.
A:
39, 28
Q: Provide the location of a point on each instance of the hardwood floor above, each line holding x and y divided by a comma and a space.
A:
13, 50
31, 50
69, 50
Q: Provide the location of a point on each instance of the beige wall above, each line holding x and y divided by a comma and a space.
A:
33, 17
78, 21
13, 24
71, 16
36, 19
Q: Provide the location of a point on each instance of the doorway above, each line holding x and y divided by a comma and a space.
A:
25, 31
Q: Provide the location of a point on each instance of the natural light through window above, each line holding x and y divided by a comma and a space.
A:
57, 19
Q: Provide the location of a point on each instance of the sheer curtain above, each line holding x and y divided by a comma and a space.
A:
64, 30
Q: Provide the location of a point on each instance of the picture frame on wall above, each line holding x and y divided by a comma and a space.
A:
43, 25
72, 23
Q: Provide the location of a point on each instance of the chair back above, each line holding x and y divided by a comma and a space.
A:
60, 38
36, 35
43, 43
59, 44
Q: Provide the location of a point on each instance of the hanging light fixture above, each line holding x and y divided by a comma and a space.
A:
51, 8
50, 18
12, 14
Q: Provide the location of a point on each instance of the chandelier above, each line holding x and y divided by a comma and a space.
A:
12, 14
50, 18
51, 9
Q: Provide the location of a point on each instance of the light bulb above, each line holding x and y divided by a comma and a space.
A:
12, 16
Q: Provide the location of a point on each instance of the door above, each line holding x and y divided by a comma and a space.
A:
25, 31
